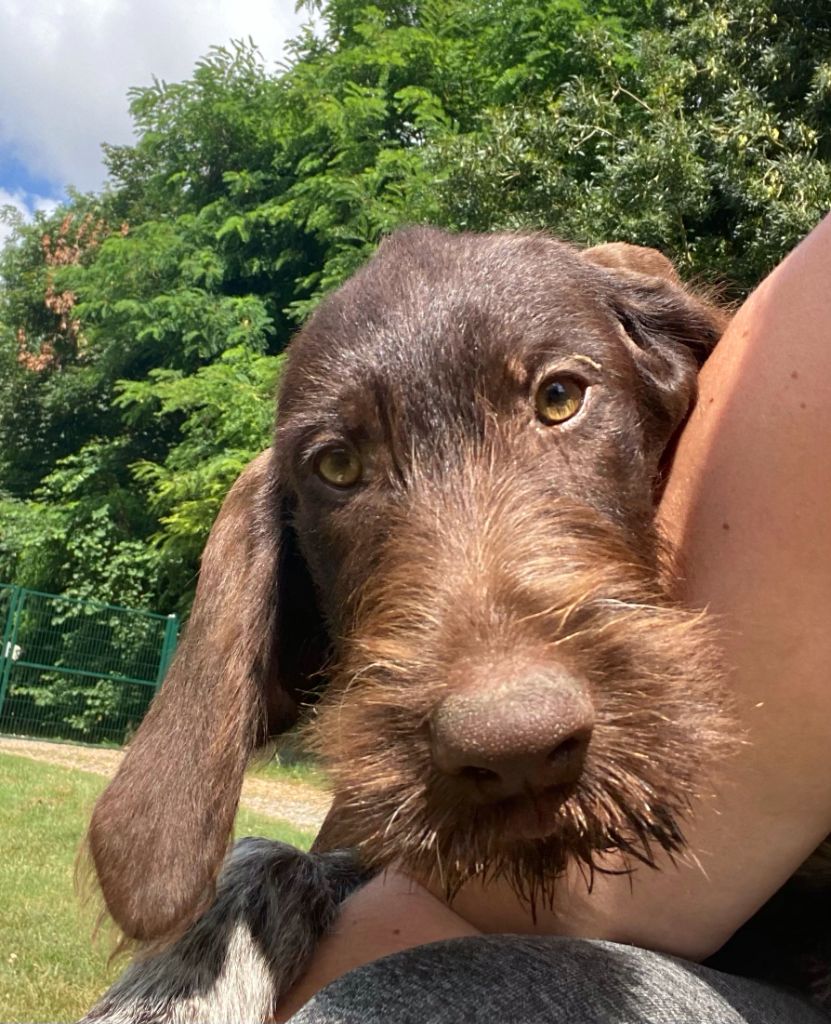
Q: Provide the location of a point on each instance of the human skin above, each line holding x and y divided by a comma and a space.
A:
747, 506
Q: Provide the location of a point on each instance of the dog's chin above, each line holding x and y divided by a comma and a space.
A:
529, 840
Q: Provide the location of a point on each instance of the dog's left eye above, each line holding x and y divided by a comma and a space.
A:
559, 398
339, 466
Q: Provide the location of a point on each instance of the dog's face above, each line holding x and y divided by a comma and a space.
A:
470, 435
455, 532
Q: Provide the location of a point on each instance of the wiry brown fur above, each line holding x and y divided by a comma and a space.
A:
482, 552
481, 543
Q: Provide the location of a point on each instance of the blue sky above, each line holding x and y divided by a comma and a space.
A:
66, 66
16, 176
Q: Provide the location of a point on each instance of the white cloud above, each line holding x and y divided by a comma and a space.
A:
24, 205
11, 201
66, 66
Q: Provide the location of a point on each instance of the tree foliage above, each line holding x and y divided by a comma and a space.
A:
710, 141
142, 327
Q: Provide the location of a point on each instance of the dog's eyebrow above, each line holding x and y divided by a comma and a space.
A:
563, 361
586, 359
303, 440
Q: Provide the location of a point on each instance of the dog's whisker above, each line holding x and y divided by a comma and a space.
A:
614, 602
401, 809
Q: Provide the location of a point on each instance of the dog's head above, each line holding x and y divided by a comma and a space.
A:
452, 539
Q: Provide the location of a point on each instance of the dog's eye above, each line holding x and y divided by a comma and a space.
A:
339, 466
559, 398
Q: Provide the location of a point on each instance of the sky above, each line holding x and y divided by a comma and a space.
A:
66, 66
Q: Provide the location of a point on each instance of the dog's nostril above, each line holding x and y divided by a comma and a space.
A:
477, 774
572, 745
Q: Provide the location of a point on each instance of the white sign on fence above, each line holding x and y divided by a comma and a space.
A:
12, 651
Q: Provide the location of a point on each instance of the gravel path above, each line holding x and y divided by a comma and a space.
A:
297, 803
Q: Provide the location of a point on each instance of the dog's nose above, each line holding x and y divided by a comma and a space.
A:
522, 736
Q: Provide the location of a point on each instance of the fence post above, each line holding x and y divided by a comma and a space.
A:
171, 633
9, 640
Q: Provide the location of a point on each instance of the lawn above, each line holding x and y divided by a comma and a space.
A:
289, 770
49, 968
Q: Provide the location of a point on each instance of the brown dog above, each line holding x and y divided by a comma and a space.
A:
452, 546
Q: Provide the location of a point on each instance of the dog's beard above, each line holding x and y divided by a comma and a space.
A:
589, 601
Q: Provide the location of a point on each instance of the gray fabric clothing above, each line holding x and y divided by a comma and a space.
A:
511, 979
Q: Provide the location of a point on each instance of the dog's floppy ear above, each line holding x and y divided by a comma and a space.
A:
160, 830
670, 330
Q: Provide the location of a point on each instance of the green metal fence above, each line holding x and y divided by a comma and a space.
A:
78, 670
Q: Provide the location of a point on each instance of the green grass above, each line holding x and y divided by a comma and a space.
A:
49, 968
289, 770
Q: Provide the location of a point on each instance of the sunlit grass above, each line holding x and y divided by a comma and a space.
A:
49, 968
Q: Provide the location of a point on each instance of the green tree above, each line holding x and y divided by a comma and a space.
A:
710, 141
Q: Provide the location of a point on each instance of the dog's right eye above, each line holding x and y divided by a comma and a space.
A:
339, 466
